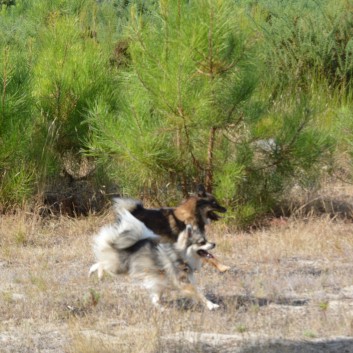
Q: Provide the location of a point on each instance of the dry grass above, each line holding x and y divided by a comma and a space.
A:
286, 281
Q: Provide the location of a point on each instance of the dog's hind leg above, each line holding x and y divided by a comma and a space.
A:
155, 291
96, 267
93, 269
155, 298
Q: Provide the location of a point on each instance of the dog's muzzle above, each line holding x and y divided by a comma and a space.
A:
205, 254
221, 209
213, 216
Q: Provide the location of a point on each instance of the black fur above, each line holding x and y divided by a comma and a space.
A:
169, 222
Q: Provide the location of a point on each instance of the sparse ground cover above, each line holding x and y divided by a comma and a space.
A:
290, 290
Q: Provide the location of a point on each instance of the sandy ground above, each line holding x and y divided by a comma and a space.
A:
290, 289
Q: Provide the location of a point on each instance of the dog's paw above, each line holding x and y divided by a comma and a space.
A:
93, 269
97, 267
212, 306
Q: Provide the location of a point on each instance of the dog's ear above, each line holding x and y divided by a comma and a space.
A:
189, 230
201, 191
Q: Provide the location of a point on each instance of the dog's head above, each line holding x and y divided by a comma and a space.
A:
194, 245
208, 205
199, 209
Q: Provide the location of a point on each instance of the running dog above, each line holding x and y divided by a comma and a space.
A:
198, 210
129, 247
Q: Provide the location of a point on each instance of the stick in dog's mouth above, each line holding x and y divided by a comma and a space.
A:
206, 254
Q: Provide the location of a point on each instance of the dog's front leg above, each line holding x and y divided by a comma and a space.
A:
155, 293
218, 265
210, 305
155, 298
192, 291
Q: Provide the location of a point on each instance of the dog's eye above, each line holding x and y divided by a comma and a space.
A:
202, 243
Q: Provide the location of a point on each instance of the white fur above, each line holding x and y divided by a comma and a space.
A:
121, 235
112, 239
125, 204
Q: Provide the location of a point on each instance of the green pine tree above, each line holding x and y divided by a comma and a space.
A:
190, 76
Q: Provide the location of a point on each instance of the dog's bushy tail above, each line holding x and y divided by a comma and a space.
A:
126, 204
123, 234
106, 256
126, 232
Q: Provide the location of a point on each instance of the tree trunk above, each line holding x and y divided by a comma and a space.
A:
209, 168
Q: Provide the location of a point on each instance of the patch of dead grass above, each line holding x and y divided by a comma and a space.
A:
286, 281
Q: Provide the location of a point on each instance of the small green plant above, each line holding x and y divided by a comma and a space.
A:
85, 304
39, 281
255, 308
324, 306
309, 334
7, 297
20, 237
241, 328
92, 298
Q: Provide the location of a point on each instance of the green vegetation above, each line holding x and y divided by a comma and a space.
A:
247, 97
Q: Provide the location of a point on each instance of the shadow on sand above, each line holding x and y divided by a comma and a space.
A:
195, 342
243, 301
337, 345
235, 301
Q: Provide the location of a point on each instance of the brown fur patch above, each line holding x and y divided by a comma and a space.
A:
169, 222
186, 212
